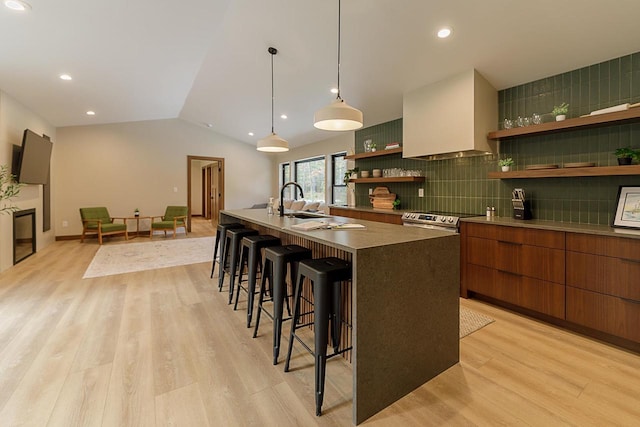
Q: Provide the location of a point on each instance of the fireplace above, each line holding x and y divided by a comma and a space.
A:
24, 234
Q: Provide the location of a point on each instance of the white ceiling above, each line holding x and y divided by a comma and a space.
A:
206, 61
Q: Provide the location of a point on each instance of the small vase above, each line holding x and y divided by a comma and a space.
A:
351, 195
560, 117
623, 161
506, 168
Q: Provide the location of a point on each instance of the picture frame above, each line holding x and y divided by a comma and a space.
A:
627, 213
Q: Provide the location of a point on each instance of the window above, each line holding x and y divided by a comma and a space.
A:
338, 187
310, 174
285, 176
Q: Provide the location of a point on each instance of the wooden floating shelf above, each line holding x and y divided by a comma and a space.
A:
568, 172
374, 154
616, 118
389, 179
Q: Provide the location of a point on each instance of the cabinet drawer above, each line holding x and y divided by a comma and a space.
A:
534, 294
481, 251
612, 276
349, 213
531, 261
619, 247
613, 315
533, 237
381, 217
481, 279
485, 231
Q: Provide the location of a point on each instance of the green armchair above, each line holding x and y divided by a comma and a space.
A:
98, 221
174, 218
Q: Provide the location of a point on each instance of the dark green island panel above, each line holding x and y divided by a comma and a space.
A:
405, 300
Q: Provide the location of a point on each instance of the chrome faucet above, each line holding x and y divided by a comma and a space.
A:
282, 194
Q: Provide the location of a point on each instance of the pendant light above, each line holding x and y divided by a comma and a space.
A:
272, 143
338, 116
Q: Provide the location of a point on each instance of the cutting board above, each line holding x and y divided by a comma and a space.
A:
381, 198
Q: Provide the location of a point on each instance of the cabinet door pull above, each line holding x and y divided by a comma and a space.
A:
509, 243
509, 272
632, 301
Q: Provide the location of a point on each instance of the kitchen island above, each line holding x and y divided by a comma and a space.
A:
404, 300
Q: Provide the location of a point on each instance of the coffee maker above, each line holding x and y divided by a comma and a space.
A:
521, 206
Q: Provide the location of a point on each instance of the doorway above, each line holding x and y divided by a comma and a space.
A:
205, 188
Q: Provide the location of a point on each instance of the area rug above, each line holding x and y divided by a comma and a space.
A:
131, 257
471, 321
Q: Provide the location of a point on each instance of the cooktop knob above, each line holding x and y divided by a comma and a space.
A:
451, 219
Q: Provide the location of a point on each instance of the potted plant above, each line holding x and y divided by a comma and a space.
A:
560, 111
506, 164
9, 188
373, 146
136, 212
626, 155
349, 173
396, 203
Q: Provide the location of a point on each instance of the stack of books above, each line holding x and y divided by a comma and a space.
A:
392, 145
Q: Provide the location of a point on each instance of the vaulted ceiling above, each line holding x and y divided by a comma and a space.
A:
206, 61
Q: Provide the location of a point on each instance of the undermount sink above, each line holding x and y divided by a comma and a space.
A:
304, 215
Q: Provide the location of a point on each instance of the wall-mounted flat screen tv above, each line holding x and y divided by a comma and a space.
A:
35, 155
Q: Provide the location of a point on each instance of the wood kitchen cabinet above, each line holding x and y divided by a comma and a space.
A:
389, 218
603, 284
585, 282
521, 266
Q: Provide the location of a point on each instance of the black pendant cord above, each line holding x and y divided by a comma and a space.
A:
272, 51
339, 12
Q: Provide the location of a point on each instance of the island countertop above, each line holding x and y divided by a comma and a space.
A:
375, 234
404, 300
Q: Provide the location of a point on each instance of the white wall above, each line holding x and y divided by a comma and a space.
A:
338, 142
139, 164
14, 119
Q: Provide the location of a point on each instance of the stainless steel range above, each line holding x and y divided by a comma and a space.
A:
435, 220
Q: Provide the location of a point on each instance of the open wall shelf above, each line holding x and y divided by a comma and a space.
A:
389, 179
617, 118
374, 154
568, 172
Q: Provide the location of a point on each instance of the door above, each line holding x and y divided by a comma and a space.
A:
212, 196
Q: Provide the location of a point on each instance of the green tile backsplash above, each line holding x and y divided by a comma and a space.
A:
461, 185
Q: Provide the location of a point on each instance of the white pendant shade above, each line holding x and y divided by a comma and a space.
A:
338, 116
273, 144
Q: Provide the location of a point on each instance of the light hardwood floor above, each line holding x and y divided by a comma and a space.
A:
163, 348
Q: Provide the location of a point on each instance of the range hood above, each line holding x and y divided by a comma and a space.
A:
450, 118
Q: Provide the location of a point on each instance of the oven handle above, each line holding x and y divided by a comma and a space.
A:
431, 227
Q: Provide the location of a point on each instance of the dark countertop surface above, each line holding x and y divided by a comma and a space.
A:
375, 234
602, 230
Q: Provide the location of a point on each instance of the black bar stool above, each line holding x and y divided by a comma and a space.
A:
274, 267
251, 254
221, 233
325, 275
231, 255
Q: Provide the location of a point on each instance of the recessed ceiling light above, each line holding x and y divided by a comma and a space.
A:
250, 133
18, 5
283, 116
91, 113
334, 90
65, 77
444, 32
